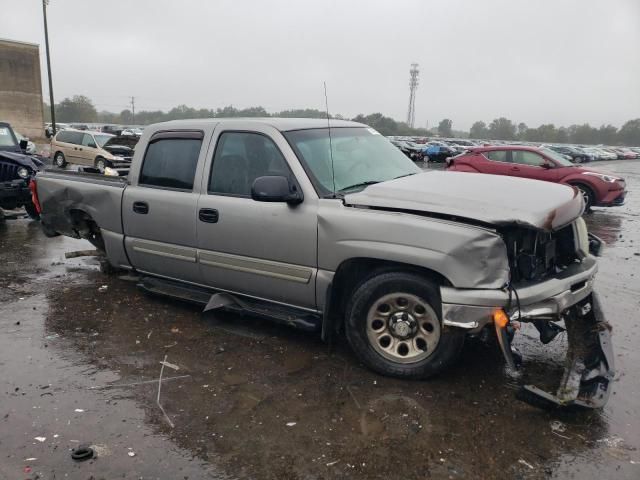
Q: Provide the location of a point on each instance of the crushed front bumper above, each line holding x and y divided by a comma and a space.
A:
567, 297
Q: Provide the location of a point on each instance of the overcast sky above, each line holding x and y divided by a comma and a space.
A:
536, 61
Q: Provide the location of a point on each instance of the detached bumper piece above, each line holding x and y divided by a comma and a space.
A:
589, 368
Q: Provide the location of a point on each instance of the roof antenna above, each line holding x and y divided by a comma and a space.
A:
326, 104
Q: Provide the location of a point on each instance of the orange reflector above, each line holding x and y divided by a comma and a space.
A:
500, 318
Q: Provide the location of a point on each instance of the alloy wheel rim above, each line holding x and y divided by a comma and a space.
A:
403, 328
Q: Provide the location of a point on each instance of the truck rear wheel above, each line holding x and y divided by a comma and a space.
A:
393, 324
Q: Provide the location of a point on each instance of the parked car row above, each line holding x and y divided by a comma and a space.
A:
111, 129
454, 146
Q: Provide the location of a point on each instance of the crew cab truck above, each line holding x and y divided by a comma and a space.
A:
333, 229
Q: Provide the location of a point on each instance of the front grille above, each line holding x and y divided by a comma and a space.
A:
535, 255
8, 171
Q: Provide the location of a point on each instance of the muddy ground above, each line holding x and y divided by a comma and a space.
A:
80, 356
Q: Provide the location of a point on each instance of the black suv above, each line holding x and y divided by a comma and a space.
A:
16, 172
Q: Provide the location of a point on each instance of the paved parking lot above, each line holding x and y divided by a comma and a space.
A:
80, 354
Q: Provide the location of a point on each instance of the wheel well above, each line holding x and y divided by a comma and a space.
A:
350, 274
86, 227
578, 183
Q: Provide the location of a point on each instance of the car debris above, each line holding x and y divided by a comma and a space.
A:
82, 453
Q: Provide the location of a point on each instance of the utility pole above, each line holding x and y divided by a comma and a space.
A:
133, 110
46, 42
413, 86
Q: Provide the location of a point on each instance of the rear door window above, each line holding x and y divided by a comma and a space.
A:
171, 163
524, 157
497, 155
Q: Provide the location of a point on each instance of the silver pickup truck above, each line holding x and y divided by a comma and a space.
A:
333, 229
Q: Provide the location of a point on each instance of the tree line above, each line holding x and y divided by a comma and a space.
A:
505, 129
80, 108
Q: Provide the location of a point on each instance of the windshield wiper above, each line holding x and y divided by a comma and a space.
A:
405, 175
361, 184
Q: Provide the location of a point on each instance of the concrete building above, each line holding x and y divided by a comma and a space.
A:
21, 87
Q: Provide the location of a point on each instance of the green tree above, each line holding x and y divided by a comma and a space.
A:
630, 133
384, 125
302, 113
479, 130
583, 134
562, 135
76, 109
444, 127
522, 131
502, 129
608, 134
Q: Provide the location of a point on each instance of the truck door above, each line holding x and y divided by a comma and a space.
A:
159, 208
267, 250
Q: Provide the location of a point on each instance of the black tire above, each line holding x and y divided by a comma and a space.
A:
367, 294
106, 267
59, 160
30, 208
588, 195
100, 163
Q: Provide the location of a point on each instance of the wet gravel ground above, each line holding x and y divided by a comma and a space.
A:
80, 357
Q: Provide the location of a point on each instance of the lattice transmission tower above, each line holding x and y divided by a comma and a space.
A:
413, 86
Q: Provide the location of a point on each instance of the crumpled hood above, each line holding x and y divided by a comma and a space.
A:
22, 160
492, 199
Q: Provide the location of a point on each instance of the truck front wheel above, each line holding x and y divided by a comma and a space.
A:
393, 324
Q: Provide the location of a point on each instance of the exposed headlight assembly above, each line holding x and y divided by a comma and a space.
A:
581, 237
23, 172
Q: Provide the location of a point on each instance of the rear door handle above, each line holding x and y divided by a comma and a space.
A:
208, 215
141, 208
515, 168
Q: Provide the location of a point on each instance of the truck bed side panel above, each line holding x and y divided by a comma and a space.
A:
61, 194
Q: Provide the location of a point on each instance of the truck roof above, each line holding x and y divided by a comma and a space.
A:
282, 124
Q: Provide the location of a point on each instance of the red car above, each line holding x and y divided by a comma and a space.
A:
599, 189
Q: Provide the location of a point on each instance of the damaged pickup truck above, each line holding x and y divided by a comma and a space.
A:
335, 230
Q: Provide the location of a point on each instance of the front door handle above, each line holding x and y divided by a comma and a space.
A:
515, 169
208, 215
141, 208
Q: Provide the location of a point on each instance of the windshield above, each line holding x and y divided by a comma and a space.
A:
102, 139
556, 157
6, 138
360, 156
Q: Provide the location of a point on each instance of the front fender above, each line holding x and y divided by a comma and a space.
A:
468, 256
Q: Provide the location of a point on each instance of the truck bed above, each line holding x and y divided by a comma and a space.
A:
65, 195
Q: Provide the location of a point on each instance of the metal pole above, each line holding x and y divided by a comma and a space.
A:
46, 42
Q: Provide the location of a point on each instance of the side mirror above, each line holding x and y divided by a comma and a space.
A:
546, 165
275, 188
24, 144
92, 145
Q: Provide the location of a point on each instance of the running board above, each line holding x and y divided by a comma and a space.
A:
212, 300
